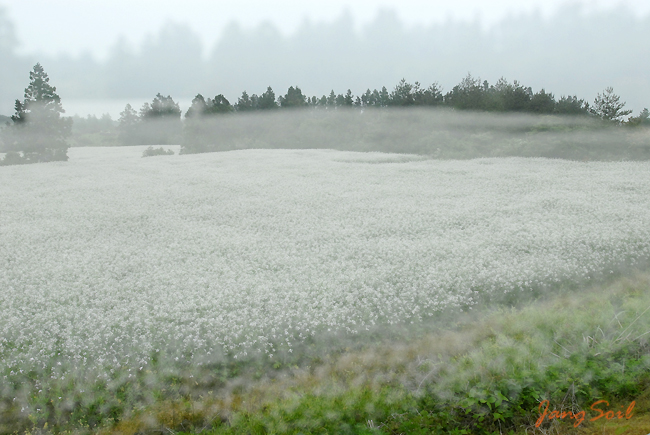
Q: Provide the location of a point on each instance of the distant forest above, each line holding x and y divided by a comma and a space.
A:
572, 52
294, 120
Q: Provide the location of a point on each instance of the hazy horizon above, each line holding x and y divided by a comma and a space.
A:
103, 23
575, 48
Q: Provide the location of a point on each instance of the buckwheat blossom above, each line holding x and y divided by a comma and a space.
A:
109, 259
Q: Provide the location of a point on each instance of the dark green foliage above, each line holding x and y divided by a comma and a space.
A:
340, 100
348, 99
158, 123
199, 106
331, 99
571, 105
219, 105
469, 94
161, 107
643, 120
541, 102
39, 132
432, 96
402, 95
293, 98
151, 151
266, 101
509, 97
245, 103
406, 94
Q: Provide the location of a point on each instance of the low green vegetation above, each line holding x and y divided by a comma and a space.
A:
485, 374
208, 291
151, 151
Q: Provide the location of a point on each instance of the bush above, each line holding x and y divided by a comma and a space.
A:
151, 151
13, 158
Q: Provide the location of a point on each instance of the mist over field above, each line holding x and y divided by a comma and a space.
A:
574, 51
430, 132
376, 225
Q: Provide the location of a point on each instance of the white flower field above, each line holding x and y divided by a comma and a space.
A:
110, 257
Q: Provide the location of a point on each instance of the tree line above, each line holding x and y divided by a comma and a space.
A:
38, 131
559, 51
470, 94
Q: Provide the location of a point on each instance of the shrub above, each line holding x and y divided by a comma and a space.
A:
151, 151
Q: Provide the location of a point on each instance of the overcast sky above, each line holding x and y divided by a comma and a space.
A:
75, 26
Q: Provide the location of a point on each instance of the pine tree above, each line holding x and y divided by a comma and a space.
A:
39, 131
245, 103
160, 122
293, 98
402, 95
608, 107
331, 99
128, 126
219, 105
642, 120
266, 101
348, 100
198, 107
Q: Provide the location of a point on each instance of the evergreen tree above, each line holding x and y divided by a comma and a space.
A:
198, 107
469, 94
348, 100
374, 100
642, 120
160, 122
267, 100
508, 97
128, 126
367, 99
255, 102
383, 97
39, 131
162, 107
402, 95
571, 105
219, 105
432, 96
331, 99
293, 98
542, 102
244, 103
608, 107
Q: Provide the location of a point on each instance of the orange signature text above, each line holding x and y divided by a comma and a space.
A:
600, 407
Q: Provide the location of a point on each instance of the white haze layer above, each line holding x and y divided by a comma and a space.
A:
110, 256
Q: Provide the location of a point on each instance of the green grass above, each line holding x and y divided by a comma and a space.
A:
485, 376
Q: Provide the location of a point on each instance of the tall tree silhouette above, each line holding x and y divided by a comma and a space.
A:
39, 133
